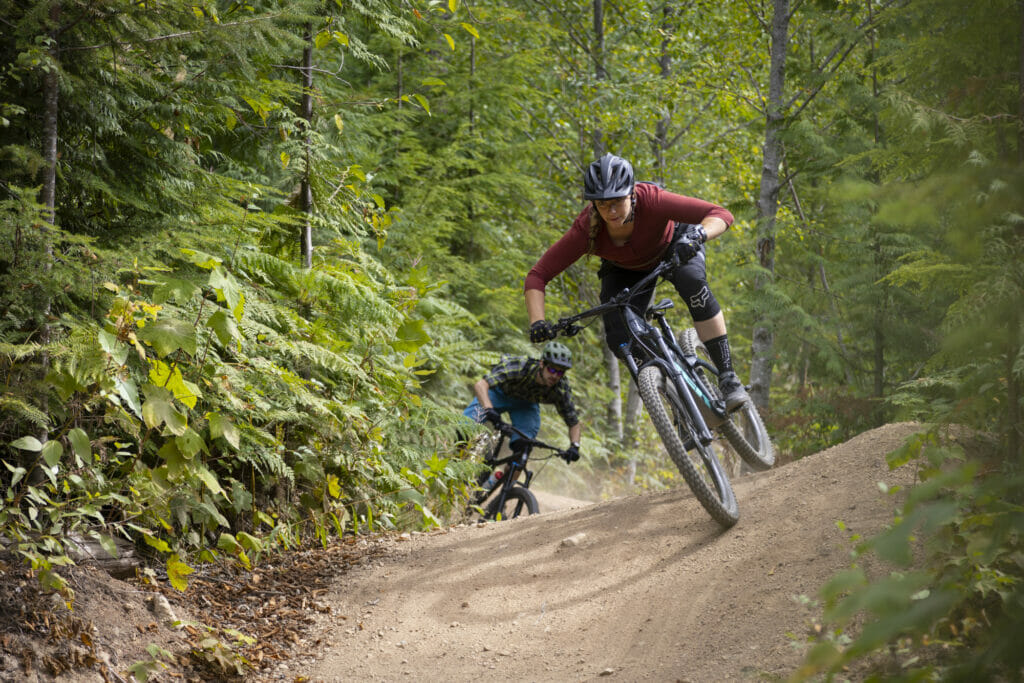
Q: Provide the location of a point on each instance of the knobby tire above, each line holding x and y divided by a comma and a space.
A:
706, 477
518, 501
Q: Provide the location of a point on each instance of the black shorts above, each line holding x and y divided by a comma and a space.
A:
689, 279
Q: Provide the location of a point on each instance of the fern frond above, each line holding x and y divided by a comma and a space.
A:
17, 407
327, 360
17, 352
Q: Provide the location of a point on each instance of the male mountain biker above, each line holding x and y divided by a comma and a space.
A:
632, 227
518, 385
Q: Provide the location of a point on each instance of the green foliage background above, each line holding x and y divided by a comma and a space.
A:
174, 374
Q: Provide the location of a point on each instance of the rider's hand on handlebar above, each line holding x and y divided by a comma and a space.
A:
697, 233
686, 249
572, 453
491, 415
542, 331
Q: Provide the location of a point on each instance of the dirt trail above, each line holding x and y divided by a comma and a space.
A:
639, 588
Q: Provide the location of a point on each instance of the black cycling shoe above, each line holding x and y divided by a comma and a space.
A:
732, 390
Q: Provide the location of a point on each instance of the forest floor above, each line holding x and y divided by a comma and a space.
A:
644, 587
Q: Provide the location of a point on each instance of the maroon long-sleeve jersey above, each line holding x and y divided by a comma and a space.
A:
655, 214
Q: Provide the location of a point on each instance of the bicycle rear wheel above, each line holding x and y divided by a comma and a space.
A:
699, 467
518, 501
744, 429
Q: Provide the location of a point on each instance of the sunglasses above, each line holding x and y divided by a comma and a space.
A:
554, 370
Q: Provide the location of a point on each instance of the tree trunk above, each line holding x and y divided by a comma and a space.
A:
614, 412
1015, 438
633, 405
660, 142
659, 145
306, 189
614, 415
398, 78
632, 422
48, 197
880, 266
840, 342
823, 277
878, 366
51, 98
1020, 90
768, 205
600, 73
472, 84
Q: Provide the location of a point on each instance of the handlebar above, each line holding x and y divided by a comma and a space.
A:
568, 327
509, 430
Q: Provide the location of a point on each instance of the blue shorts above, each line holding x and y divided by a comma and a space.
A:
522, 414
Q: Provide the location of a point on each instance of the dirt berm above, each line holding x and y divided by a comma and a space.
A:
640, 588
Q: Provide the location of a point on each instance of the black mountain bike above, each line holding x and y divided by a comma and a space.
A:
499, 494
680, 391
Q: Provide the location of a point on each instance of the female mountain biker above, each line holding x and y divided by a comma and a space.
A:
632, 226
518, 385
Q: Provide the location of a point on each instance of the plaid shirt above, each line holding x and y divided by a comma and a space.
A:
516, 377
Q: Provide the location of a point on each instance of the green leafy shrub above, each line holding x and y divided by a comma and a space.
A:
954, 607
206, 418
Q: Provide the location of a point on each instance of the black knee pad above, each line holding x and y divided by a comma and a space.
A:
690, 280
702, 304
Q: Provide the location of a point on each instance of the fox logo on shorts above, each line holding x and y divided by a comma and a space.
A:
700, 299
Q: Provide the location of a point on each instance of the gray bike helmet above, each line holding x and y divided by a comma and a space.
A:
610, 177
557, 353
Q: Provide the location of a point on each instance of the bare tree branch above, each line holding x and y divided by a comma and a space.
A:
830, 65
759, 15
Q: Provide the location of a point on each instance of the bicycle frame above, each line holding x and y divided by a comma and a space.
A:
517, 463
712, 408
658, 346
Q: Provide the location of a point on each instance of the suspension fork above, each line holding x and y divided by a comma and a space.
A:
503, 488
673, 370
692, 363
675, 375
511, 477
626, 349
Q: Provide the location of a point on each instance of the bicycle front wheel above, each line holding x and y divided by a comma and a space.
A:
518, 501
699, 467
